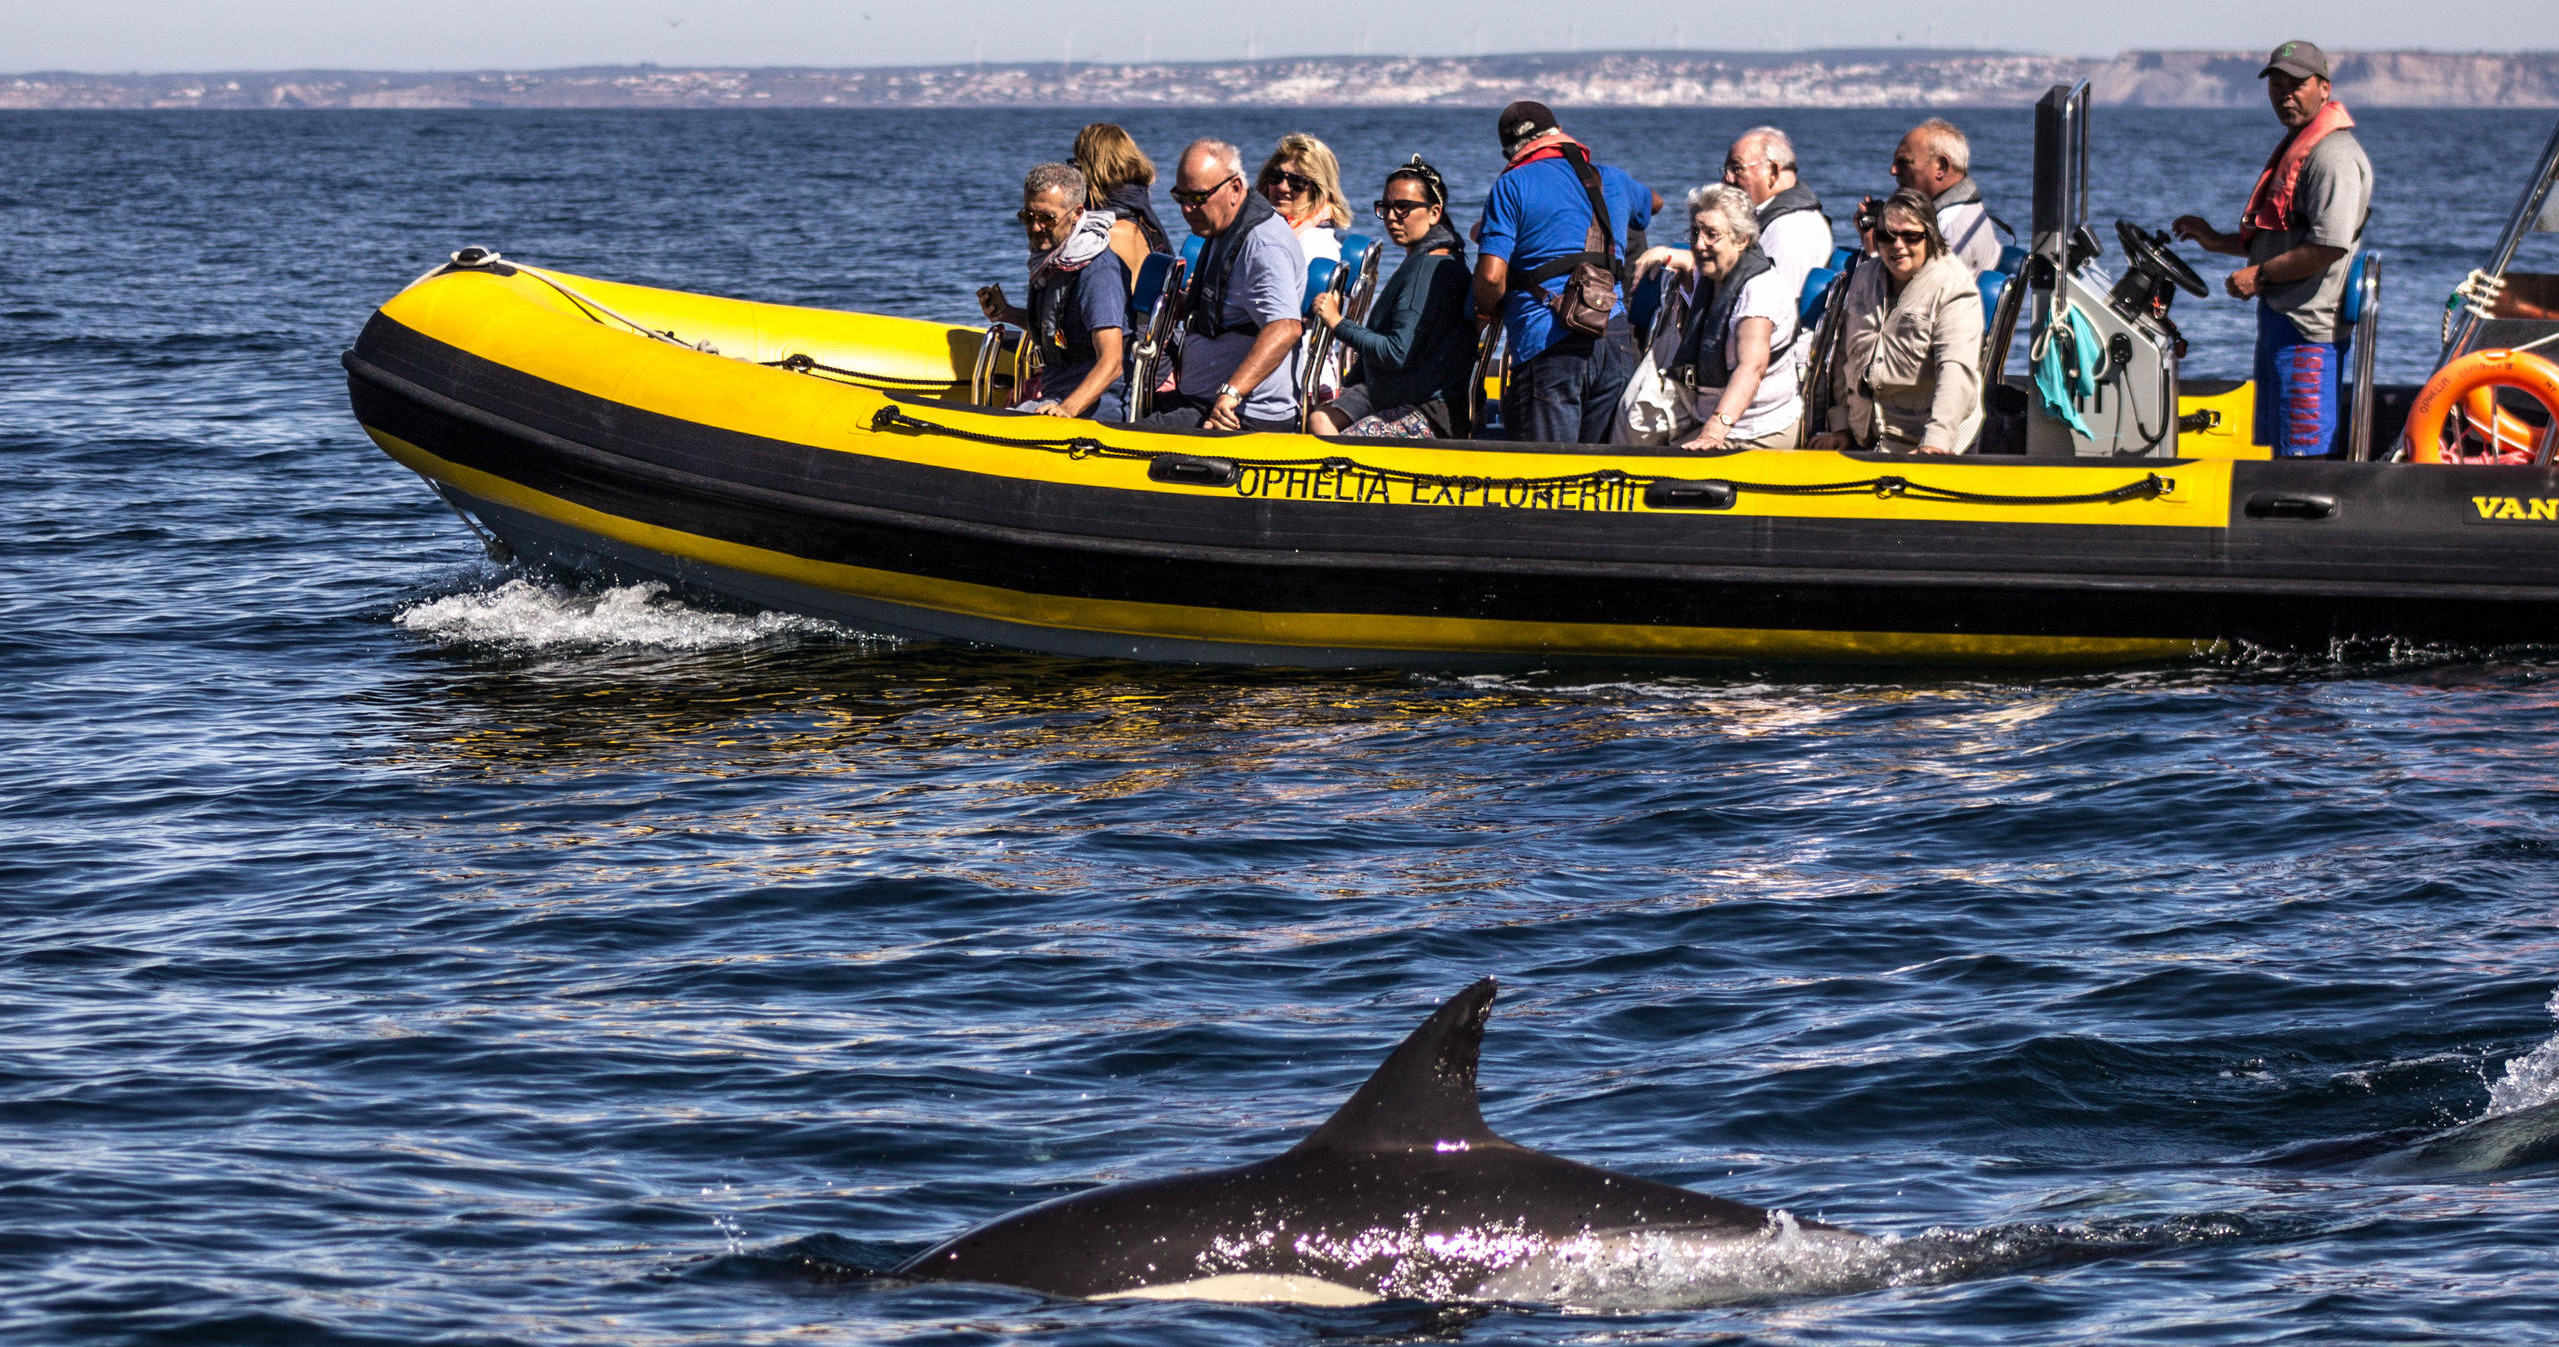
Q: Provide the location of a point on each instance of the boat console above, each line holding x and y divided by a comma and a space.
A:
2102, 359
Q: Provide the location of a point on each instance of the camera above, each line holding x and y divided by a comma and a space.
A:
1870, 213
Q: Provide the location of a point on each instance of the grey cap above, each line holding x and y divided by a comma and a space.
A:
2301, 60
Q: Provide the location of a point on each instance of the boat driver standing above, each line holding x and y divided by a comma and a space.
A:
1237, 367
2303, 224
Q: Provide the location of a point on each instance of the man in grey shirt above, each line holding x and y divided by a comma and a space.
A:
1237, 367
2303, 224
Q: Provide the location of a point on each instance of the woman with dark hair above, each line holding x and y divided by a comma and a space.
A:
1418, 349
1907, 376
1117, 175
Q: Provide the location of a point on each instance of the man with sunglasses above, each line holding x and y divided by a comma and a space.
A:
1550, 212
1078, 314
1236, 368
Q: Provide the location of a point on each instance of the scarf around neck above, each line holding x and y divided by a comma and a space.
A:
1083, 243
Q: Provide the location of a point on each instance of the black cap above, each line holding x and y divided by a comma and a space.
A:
1524, 121
2301, 60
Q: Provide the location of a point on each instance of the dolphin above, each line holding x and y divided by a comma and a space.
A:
2502, 1143
1403, 1194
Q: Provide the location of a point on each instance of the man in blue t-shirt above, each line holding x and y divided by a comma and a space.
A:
1564, 384
1078, 314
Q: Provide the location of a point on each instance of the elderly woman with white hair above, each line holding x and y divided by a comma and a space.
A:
1732, 386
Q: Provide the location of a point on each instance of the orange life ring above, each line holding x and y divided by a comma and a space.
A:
2507, 436
2470, 383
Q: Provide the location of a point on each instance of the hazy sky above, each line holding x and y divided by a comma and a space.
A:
156, 35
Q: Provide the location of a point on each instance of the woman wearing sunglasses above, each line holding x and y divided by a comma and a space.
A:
1079, 298
1303, 182
1418, 349
1907, 376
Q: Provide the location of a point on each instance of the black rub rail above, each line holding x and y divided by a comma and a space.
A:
1660, 493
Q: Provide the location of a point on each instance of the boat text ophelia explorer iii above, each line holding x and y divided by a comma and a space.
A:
855, 467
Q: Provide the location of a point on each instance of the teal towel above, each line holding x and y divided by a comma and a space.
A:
2062, 380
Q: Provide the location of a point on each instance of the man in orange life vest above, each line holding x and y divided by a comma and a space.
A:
2303, 224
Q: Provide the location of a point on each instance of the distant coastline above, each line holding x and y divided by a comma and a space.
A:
1895, 77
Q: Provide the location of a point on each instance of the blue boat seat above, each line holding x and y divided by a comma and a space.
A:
1355, 248
1191, 251
1319, 278
1816, 296
1151, 275
2011, 258
2351, 311
1644, 302
1841, 257
1993, 284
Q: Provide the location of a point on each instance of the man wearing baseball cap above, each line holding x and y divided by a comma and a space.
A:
2303, 224
1551, 211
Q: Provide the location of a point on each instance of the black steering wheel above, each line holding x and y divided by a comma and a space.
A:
2151, 252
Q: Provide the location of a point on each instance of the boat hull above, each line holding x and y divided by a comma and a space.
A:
597, 448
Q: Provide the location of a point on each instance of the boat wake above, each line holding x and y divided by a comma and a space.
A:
1666, 1270
525, 614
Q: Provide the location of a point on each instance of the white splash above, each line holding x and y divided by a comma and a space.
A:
1657, 1269
531, 616
2530, 1080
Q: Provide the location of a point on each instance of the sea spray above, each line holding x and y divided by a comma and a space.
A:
534, 616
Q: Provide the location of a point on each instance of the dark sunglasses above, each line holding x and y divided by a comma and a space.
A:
1397, 210
1911, 237
1297, 182
1183, 196
1038, 217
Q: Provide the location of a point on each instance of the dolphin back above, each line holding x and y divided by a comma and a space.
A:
1403, 1193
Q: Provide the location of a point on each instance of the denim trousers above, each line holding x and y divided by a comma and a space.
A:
1567, 394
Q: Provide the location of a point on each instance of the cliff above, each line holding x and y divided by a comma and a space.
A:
2382, 79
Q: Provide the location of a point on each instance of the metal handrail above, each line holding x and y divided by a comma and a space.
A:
2466, 329
982, 379
2367, 336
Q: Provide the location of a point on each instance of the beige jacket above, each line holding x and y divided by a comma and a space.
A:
1913, 362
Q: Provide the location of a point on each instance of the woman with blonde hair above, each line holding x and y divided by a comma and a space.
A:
1303, 181
1117, 175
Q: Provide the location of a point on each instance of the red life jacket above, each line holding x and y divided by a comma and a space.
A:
2270, 206
1545, 145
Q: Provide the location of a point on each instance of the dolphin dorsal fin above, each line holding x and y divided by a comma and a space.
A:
1423, 1096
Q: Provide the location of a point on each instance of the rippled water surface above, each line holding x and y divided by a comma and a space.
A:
403, 949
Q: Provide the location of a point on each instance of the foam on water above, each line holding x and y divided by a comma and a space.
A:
2530, 1080
534, 616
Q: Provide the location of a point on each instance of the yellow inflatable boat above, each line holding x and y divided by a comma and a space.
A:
844, 465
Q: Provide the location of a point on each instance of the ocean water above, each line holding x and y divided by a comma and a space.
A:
404, 949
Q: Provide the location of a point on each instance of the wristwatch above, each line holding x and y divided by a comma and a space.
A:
1730, 423
1228, 391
